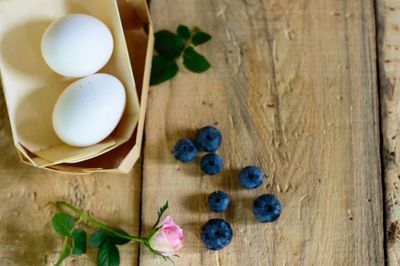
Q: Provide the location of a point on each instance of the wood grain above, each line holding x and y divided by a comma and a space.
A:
389, 73
27, 197
293, 89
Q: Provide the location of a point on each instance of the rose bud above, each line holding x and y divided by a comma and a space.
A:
168, 239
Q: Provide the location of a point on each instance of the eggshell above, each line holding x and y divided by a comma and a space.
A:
77, 45
89, 110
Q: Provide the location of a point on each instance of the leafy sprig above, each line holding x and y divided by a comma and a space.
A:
171, 47
106, 239
74, 240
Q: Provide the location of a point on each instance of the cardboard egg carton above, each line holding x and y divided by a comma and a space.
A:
31, 88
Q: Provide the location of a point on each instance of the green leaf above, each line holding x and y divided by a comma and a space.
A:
163, 68
168, 44
194, 61
160, 213
79, 242
62, 223
200, 37
63, 255
183, 31
162, 210
117, 239
108, 254
97, 238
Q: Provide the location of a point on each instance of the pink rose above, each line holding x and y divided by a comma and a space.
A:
168, 239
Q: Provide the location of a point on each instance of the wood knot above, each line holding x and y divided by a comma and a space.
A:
393, 233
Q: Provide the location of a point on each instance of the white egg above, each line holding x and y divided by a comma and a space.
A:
89, 110
77, 45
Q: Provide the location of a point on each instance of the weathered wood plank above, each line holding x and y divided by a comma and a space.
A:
293, 89
27, 196
389, 74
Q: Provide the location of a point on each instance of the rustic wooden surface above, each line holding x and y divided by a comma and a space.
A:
27, 197
389, 73
293, 89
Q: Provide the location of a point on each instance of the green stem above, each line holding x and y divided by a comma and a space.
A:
100, 225
79, 221
65, 252
187, 43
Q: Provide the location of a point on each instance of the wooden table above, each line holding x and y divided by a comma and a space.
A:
306, 89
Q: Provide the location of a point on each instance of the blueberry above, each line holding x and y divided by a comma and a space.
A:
216, 234
185, 150
267, 208
208, 139
251, 177
218, 201
211, 164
